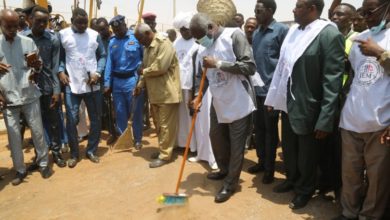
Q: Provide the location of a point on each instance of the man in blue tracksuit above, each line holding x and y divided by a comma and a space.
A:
120, 77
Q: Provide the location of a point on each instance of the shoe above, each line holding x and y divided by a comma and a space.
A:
299, 201
214, 166
45, 172
92, 157
111, 140
216, 176
32, 167
157, 163
83, 138
283, 187
342, 217
138, 145
256, 168
19, 177
57, 158
193, 159
268, 178
155, 155
65, 148
72, 162
223, 195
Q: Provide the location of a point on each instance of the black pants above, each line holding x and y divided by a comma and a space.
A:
50, 123
301, 155
108, 121
228, 143
266, 134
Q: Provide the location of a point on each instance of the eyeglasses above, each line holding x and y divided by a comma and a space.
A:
369, 13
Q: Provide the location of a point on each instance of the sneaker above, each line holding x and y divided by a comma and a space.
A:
193, 159
72, 162
92, 157
19, 177
45, 172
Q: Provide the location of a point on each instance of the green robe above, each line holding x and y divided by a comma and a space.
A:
313, 98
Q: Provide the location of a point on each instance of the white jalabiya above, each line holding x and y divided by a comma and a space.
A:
293, 47
185, 49
202, 129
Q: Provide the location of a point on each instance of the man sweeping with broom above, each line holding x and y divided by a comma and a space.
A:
160, 75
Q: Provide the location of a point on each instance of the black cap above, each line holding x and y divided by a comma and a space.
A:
29, 10
117, 20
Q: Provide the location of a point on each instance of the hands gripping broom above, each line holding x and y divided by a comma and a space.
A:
177, 198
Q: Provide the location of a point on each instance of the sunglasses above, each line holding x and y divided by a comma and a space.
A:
369, 13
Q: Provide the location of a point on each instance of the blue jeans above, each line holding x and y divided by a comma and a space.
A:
93, 102
123, 107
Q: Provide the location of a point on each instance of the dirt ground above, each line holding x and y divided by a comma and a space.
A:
122, 186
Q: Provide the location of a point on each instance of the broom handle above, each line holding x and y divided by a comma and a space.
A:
189, 137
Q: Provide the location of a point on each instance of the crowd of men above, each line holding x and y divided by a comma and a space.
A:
327, 81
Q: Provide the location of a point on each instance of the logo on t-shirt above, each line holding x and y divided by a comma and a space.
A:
369, 72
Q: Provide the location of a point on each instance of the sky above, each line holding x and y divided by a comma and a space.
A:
164, 8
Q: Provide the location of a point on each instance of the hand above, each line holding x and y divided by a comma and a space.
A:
33, 77
385, 137
270, 108
209, 62
137, 91
93, 79
141, 71
194, 105
370, 48
4, 68
36, 64
64, 78
320, 134
107, 92
54, 101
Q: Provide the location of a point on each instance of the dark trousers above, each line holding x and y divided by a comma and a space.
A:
266, 134
50, 123
301, 154
93, 101
228, 143
330, 162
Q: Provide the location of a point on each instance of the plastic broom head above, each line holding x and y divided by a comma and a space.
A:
172, 199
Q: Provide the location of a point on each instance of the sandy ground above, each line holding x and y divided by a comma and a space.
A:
122, 186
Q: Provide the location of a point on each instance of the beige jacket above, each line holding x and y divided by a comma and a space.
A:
161, 73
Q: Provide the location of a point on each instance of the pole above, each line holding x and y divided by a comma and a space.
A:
90, 10
85, 4
140, 11
4, 4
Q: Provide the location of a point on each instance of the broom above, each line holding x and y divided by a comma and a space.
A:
177, 198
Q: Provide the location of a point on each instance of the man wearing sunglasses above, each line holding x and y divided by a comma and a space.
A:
365, 119
229, 61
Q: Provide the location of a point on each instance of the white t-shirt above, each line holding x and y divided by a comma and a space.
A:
367, 108
184, 51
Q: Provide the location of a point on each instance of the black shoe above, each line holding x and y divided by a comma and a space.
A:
57, 158
216, 176
19, 177
72, 162
342, 217
138, 146
92, 157
45, 172
283, 187
157, 163
268, 178
223, 195
155, 155
32, 167
111, 140
256, 168
299, 201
